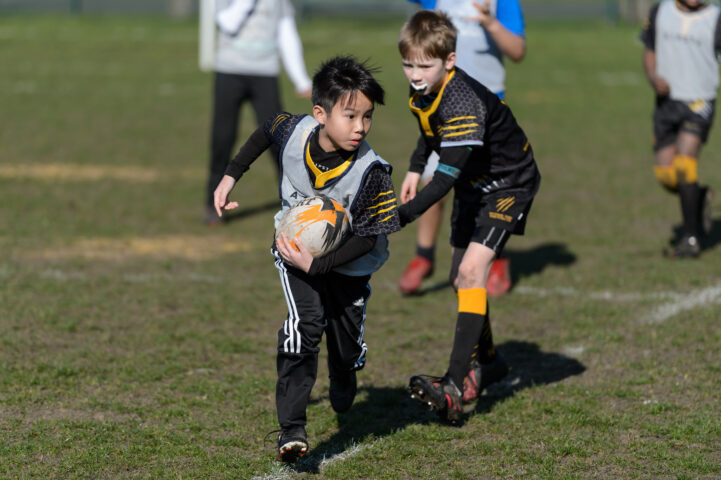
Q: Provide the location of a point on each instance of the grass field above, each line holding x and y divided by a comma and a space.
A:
136, 343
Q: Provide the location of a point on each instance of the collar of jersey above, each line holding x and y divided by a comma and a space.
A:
700, 8
425, 113
320, 178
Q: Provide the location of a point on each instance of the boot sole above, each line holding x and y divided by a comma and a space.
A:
292, 451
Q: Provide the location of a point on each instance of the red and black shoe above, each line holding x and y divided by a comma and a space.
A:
417, 270
440, 393
482, 376
499, 277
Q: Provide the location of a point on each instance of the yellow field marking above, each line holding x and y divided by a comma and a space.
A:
186, 247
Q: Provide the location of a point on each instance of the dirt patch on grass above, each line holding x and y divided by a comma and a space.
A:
187, 247
76, 172
30, 416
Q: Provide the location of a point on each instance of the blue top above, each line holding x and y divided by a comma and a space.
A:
476, 51
509, 14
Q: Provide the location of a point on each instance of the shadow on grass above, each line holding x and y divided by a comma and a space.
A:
524, 263
246, 212
529, 366
386, 410
382, 412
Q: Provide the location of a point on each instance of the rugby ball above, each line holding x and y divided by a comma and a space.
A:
320, 223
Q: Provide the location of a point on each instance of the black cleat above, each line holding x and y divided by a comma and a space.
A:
441, 394
687, 247
342, 391
483, 375
292, 443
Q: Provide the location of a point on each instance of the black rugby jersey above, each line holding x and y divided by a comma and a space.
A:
465, 113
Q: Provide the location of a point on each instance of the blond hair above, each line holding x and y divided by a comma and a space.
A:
428, 34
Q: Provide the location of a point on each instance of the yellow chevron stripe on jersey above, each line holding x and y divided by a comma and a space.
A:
386, 219
321, 178
425, 113
382, 203
382, 211
458, 119
278, 120
456, 127
383, 193
457, 134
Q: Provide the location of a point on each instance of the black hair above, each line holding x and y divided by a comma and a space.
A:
344, 76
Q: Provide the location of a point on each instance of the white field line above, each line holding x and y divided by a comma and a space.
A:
604, 295
675, 302
354, 450
283, 472
277, 472
699, 298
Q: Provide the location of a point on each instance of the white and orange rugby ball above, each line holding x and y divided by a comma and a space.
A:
320, 223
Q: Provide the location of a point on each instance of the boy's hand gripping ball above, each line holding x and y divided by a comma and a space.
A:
320, 223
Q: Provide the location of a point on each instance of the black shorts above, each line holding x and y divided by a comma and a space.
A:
673, 116
490, 221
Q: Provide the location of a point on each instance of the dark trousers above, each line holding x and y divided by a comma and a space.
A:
230, 91
330, 303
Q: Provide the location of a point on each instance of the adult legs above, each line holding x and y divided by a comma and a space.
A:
228, 96
265, 98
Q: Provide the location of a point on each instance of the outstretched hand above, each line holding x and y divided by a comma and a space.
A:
297, 256
409, 188
220, 196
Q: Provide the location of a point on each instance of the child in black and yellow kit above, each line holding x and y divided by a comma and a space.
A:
487, 160
327, 154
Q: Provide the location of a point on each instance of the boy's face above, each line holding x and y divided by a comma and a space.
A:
347, 124
426, 75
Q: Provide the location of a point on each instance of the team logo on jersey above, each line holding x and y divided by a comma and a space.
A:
503, 204
296, 195
701, 107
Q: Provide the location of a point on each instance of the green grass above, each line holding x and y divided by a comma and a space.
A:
135, 343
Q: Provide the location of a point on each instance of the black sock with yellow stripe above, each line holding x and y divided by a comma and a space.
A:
689, 192
471, 325
486, 351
